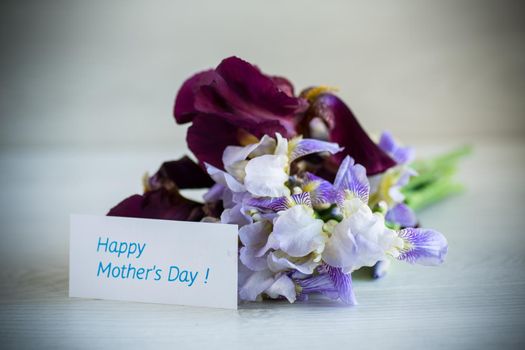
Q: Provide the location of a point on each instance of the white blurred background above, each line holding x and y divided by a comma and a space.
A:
86, 94
87, 89
103, 74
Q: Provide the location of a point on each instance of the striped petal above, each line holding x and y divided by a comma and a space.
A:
331, 282
303, 147
352, 177
280, 203
322, 192
423, 246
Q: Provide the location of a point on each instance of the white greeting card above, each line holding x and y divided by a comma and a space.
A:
158, 261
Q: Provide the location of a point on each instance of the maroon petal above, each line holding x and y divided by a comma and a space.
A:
345, 130
239, 89
180, 174
210, 134
284, 85
251, 91
129, 207
159, 204
184, 109
208, 137
234, 101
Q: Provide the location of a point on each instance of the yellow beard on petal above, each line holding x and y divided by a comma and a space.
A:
388, 180
245, 138
311, 186
312, 93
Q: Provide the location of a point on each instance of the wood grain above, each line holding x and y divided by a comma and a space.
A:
475, 301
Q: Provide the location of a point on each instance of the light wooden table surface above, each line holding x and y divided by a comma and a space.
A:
475, 301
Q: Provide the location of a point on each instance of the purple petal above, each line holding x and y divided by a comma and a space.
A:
321, 191
236, 215
402, 215
302, 199
423, 246
404, 177
214, 194
352, 177
309, 146
331, 282
402, 155
387, 142
277, 204
346, 131
182, 173
159, 204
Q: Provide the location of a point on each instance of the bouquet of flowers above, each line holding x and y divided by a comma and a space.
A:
314, 197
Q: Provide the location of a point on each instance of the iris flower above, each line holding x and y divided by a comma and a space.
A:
300, 177
285, 240
235, 104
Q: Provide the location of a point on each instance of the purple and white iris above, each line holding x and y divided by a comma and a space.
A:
300, 234
386, 187
310, 209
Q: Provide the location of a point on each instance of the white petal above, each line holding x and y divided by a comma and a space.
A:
282, 145
341, 248
354, 205
256, 234
236, 215
224, 178
283, 286
251, 261
266, 146
271, 244
297, 232
254, 284
266, 176
395, 193
361, 239
278, 261
234, 154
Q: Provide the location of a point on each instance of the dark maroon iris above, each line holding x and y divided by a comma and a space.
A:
234, 104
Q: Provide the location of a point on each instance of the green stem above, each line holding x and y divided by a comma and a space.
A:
432, 193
